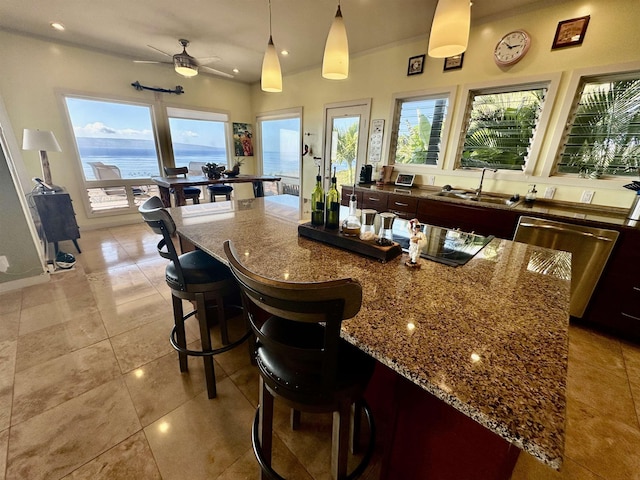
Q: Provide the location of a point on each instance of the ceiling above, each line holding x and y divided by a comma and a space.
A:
234, 31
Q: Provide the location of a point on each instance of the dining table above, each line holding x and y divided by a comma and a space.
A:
166, 184
472, 360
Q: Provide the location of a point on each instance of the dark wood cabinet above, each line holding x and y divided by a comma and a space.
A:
57, 217
404, 206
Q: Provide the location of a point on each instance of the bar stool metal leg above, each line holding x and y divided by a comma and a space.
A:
205, 339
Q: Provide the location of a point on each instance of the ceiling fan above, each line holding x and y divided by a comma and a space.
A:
185, 64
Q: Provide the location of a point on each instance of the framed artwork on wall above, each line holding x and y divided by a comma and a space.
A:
570, 32
416, 65
242, 143
453, 63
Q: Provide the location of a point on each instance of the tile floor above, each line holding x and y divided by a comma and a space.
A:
90, 387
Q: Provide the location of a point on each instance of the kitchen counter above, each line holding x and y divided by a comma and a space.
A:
489, 338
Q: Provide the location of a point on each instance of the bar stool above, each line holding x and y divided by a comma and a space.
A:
303, 361
219, 189
192, 193
198, 277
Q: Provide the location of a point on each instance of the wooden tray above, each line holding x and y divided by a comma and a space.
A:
353, 244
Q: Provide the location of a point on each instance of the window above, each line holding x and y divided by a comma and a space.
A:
197, 138
501, 126
117, 149
418, 129
603, 136
280, 140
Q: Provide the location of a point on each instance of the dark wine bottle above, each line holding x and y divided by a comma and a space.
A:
317, 202
332, 218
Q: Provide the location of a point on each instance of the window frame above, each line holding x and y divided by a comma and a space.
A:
550, 81
565, 113
397, 100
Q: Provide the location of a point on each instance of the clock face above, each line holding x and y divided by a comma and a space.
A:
512, 47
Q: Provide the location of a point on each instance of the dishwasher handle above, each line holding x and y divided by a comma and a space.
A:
566, 230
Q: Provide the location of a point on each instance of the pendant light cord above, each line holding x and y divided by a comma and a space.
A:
270, 34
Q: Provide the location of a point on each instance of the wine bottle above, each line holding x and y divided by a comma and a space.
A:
332, 204
317, 202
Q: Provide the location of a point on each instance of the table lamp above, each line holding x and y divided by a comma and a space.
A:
42, 141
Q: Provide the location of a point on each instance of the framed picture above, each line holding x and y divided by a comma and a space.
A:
242, 143
405, 179
416, 65
570, 32
453, 63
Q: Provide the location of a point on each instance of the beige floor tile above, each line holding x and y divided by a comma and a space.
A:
595, 349
605, 446
131, 231
130, 459
154, 270
7, 363
4, 445
144, 344
90, 240
10, 301
159, 387
635, 393
62, 439
51, 383
602, 389
247, 379
55, 312
143, 248
127, 316
10, 324
202, 438
119, 285
529, 468
103, 258
64, 284
631, 354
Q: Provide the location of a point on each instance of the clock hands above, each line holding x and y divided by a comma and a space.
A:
510, 47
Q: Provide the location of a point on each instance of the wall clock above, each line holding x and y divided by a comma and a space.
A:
512, 47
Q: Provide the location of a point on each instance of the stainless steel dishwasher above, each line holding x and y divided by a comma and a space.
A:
589, 247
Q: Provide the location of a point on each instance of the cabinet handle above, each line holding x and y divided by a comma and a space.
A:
630, 316
401, 204
374, 199
637, 289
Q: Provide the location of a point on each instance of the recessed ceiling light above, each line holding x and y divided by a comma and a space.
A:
57, 26
284, 52
235, 70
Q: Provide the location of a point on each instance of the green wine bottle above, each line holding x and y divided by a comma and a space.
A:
317, 202
332, 219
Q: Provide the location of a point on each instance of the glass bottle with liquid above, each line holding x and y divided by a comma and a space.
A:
317, 202
351, 225
332, 205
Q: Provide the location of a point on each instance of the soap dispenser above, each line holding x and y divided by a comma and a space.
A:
531, 194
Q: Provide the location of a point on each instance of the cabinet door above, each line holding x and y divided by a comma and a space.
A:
346, 193
404, 206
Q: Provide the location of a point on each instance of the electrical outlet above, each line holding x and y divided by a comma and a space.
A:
549, 192
587, 196
431, 180
4, 264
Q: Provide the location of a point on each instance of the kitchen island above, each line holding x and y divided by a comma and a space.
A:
489, 339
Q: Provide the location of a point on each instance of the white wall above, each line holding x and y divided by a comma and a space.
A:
612, 38
35, 73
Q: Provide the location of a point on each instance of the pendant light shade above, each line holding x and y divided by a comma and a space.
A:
271, 78
271, 74
450, 28
335, 64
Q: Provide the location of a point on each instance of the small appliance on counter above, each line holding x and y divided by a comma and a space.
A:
366, 172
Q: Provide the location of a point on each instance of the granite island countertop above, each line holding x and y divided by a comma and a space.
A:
489, 338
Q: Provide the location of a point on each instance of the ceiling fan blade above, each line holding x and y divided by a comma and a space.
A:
216, 72
207, 60
146, 61
158, 50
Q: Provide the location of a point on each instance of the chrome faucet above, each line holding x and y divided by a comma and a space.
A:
479, 189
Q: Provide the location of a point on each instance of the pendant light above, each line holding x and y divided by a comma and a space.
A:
335, 64
450, 28
271, 80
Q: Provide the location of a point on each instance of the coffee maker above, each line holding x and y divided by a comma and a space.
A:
365, 174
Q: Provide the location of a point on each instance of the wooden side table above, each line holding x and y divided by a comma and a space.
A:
57, 217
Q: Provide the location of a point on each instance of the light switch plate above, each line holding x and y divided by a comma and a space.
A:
431, 180
549, 192
587, 196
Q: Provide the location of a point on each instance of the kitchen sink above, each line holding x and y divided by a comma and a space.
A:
462, 195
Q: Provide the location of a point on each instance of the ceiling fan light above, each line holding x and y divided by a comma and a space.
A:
450, 28
185, 65
335, 63
271, 79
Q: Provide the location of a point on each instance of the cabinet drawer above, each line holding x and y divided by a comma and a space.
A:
630, 305
403, 206
346, 193
375, 200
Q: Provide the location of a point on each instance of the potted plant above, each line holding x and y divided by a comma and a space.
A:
212, 170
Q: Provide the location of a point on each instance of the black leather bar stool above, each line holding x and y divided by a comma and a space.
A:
219, 189
198, 277
192, 193
303, 361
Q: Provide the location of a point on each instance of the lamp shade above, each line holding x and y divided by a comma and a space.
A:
271, 80
185, 65
335, 63
39, 140
450, 28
